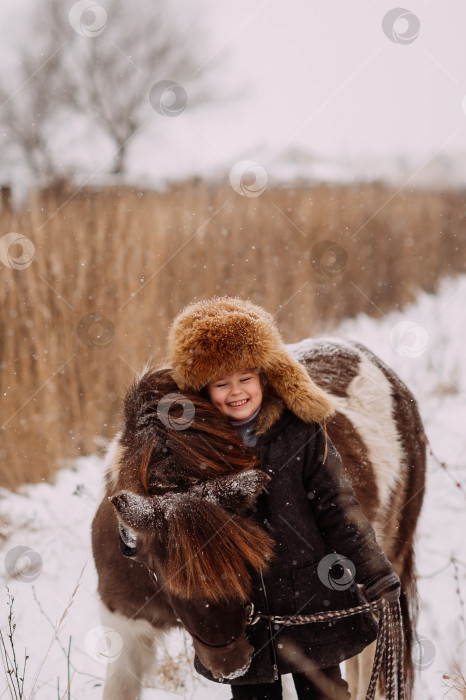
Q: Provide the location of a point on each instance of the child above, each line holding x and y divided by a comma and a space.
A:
230, 350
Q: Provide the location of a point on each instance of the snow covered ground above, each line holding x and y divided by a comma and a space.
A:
425, 345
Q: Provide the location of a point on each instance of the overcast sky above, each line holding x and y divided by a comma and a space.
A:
324, 75
321, 75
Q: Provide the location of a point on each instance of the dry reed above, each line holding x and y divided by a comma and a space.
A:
134, 258
455, 680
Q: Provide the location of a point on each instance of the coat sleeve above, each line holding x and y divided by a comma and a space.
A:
338, 513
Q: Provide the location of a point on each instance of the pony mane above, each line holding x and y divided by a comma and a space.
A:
209, 447
209, 551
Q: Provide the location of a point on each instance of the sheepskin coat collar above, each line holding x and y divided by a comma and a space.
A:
270, 413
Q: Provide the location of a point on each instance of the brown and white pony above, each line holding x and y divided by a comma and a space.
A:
170, 542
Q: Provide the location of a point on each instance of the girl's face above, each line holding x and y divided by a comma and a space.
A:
237, 395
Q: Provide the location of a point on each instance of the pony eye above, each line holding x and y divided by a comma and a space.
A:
127, 536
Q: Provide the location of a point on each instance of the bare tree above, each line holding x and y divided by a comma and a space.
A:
120, 66
30, 109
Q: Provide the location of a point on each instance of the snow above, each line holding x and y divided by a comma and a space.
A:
239, 672
54, 521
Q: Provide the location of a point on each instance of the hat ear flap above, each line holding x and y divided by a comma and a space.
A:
298, 391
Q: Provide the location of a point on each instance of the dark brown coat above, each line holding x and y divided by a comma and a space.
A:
310, 510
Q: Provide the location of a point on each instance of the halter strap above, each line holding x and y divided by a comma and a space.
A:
389, 647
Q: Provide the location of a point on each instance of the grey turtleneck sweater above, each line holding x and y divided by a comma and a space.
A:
246, 428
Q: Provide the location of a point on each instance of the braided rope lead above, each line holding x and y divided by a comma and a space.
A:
378, 656
389, 647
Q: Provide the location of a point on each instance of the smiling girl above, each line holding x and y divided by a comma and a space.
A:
230, 350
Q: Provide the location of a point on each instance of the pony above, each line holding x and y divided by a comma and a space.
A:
172, 543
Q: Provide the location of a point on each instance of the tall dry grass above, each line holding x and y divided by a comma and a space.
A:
136, 258
455, 680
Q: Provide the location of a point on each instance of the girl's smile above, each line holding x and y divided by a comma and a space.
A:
238, 403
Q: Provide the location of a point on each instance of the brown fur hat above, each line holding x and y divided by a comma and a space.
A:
225, 335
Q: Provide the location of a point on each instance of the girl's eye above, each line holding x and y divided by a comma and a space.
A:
218, 386
246, 379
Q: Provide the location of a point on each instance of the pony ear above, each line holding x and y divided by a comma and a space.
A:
236, 492
138, 512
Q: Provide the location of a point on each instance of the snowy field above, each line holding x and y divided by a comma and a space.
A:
426, 345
